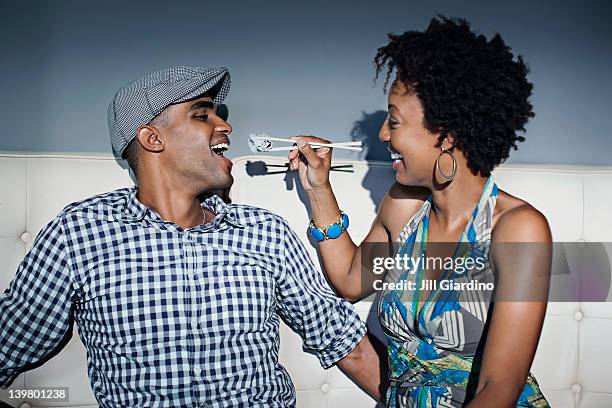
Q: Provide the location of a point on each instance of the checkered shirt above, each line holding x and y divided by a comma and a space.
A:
173, 317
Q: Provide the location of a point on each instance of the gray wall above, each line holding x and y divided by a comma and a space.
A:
297, 67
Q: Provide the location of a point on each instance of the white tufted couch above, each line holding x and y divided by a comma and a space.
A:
574, 359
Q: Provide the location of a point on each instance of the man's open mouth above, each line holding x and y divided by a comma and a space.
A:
219, 148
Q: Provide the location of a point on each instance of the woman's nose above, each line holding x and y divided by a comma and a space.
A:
383, 133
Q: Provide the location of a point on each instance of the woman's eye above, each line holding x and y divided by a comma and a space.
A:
391, 121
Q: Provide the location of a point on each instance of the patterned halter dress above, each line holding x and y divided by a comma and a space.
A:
434, 358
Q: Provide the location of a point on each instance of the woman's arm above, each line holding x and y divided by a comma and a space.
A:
521, 254
348, 266
341, 257
366, 368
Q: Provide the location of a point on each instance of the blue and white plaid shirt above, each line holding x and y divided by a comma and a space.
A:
172, 316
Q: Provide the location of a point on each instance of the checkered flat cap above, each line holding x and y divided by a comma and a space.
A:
137, 103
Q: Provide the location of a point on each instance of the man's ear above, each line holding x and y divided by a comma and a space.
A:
150, 139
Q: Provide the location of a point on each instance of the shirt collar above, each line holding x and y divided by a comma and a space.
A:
136, 211
228, 212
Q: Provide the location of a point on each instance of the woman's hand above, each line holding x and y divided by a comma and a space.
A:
313, 165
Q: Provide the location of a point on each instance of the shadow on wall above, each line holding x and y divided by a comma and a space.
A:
366, 131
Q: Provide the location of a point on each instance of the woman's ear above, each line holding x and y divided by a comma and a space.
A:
448, 142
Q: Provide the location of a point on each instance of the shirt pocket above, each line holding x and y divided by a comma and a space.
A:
123, 299
239, 302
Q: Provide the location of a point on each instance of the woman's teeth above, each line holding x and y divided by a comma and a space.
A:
396, 156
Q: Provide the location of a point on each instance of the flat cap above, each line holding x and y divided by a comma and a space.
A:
138, 102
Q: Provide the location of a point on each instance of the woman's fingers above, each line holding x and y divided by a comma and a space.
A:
292, 154
312, 156
294, 158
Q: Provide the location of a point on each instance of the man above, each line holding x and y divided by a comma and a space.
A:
177, 300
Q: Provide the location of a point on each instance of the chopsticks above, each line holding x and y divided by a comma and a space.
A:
354, 146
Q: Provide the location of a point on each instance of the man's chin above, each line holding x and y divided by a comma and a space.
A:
220, 186
229, 182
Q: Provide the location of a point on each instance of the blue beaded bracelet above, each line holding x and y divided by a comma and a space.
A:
332, 231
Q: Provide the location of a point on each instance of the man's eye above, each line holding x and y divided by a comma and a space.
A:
202, 117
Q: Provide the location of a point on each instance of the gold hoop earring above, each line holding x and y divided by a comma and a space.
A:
447, 177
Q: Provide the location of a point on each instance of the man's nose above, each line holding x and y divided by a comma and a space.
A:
223, 127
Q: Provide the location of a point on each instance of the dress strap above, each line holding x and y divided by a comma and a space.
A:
480, 221
414, 222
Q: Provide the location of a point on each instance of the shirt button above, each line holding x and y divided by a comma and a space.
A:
576, 388
197, 371
578, 316
26, 237
325, 388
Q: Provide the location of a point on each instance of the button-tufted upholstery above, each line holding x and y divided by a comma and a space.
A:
574, 359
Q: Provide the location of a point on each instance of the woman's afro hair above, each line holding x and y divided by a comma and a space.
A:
470, 88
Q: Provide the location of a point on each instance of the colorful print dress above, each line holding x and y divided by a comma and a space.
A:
434, 357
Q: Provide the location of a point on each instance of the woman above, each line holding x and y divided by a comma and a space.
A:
454, 110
